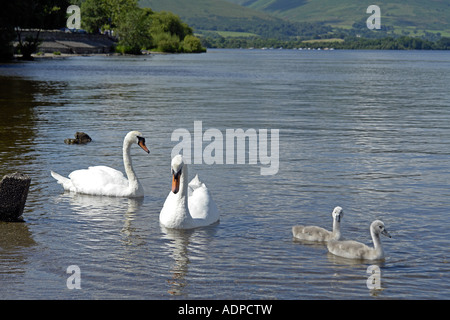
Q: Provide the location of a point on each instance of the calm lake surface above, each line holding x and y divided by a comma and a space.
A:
366, 130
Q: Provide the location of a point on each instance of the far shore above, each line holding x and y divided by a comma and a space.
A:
47, 55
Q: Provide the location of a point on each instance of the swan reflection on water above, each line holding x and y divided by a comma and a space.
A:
105, 210
186, 247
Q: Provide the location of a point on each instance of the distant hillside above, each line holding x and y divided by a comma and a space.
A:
401, 15
309, 18
210, 14
222, 15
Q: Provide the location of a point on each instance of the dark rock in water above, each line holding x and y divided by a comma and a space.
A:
83, 137
80, 138
13, 195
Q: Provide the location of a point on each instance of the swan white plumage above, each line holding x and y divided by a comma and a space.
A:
357, 250
313, 233
106, 181
187, 206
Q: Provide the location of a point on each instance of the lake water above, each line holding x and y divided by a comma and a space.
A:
366, 130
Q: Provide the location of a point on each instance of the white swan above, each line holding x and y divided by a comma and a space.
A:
313, 233
187, 206
106, 181
357, 250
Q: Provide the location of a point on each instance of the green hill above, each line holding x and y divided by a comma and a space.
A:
202, 8
219, 16
306, 18
401, 15
212, 14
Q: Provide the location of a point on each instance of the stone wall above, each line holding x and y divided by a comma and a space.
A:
71, 43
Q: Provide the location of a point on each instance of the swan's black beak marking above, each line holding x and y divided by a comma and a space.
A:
141, 143
176, 181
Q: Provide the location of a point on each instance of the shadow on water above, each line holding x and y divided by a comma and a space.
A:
18, 122
17, 133
14, 234
15, 239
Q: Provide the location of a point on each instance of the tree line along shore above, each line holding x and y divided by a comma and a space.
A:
349, 43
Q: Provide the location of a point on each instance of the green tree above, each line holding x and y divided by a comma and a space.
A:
94, 15
443, 43
28, 14
166, 42
192, 44
170, 23
105, 14
7, 33
134, 31
139, 28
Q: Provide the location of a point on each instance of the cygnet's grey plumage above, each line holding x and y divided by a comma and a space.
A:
357, 250
318, 234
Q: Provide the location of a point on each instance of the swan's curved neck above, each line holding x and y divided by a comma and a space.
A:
133, 181
183, 193
180, 212
376, 240
336, 228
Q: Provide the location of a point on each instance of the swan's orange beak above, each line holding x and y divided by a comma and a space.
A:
176, 181
141, 144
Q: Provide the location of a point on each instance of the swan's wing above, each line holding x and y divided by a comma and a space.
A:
348, 249
310, 233
97, 180
65, 182
109, 175
200, 203
194, 184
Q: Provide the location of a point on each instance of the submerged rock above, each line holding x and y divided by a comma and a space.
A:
80, 138
13, 195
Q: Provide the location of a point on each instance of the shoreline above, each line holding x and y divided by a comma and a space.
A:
52, 41
56, 44
47, 55
53, 55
